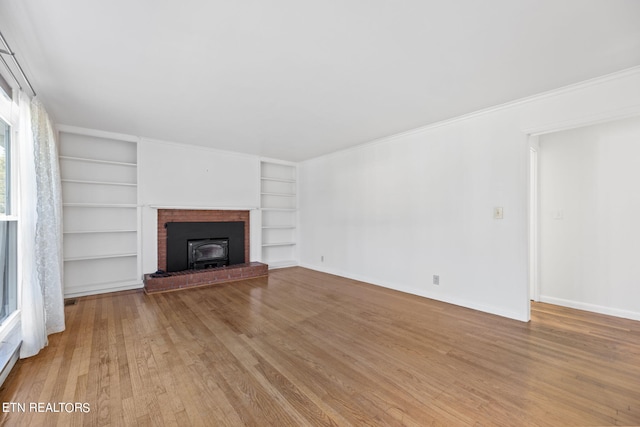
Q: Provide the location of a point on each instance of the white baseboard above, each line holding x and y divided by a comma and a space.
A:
499, 311
103, 288
611, 311
6, 370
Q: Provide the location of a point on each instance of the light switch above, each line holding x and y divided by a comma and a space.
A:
498, 212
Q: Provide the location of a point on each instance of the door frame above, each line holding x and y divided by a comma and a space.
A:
534, 212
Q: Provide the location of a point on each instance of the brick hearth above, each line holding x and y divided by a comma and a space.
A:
193, 278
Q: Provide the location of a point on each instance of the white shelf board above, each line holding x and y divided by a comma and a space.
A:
85, 258
100, 205
100, 231
279, 194
79, 181
266, 178
280, 209
278, 227
97, 133
266, 245
103, 162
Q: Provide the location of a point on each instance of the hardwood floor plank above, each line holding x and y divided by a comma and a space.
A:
307, 348
327, 413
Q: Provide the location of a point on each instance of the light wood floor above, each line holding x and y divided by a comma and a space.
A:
306, 348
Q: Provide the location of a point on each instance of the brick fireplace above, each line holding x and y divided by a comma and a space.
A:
190, 278
191, 215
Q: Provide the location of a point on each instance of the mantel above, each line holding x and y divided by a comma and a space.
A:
205, 208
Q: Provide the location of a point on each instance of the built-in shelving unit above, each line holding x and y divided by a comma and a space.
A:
278, 204
101, 213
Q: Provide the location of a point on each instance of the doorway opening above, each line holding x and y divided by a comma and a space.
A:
583, 208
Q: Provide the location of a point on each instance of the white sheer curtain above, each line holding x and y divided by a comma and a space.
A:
41, 229
34, 335
49, 225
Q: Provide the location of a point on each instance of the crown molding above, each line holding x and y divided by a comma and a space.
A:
629, 72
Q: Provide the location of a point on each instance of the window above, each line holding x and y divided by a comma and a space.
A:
8, 229
5, 169
5, 88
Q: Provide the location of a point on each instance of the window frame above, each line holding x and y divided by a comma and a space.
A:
10, 214
10, 328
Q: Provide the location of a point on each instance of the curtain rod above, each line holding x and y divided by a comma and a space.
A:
7, 51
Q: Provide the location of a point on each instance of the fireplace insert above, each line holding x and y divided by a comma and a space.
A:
179, 234
208, 253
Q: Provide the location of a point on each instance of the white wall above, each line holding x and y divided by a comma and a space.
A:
589, 218
183, 176
397, 211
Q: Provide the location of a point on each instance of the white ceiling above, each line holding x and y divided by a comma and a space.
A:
293, 80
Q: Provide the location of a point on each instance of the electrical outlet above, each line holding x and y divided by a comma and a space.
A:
436, 279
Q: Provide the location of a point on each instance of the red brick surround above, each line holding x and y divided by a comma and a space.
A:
193, 278
193, 215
